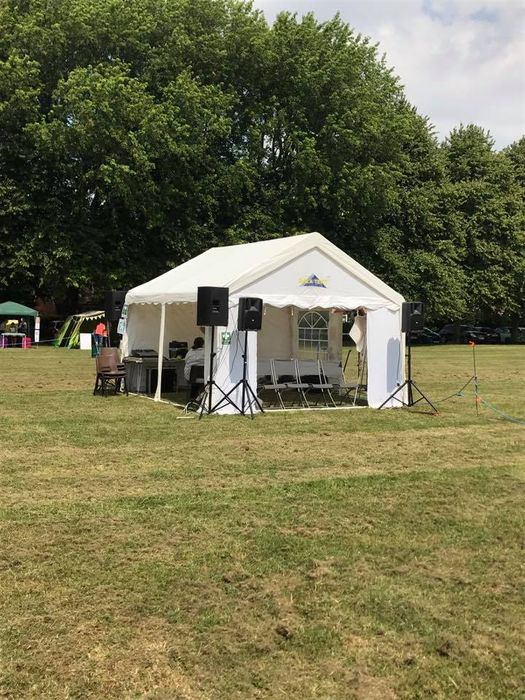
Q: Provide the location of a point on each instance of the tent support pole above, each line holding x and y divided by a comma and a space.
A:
161, 351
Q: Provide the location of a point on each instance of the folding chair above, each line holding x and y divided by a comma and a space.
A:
110, 373
274, 385
285, 373
264, 375
312, 373
335, 375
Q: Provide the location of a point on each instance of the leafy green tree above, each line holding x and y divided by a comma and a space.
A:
19, 107
487, 202
137, 133
516, 154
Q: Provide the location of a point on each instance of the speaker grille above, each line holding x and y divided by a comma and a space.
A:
212, 306
113, 303
413, 318
250, 314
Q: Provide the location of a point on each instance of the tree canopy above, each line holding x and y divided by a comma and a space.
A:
136, 134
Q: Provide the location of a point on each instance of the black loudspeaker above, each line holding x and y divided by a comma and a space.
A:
113, 303
250, 314
212, 306
413, 318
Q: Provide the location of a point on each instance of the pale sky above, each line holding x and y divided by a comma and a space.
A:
460, 61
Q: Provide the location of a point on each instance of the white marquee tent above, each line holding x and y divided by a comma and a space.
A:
292, 275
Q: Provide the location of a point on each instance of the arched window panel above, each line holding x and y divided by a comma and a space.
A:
313, 334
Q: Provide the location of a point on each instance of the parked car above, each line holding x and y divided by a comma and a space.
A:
487, 335
466, 333
426, 337
505, 334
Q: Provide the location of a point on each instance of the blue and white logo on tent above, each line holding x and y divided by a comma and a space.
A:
312, 281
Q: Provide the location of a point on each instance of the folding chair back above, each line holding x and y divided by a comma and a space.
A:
283, 371
197, 374
268, 377
333, 372
264, 372
311, 371
287, 374
307, 371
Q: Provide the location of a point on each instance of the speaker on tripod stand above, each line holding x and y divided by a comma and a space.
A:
412, 322
213, 311
249, 319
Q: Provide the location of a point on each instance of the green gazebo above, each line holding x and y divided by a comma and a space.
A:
11, 309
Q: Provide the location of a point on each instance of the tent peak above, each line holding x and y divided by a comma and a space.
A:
267, 242
240, 266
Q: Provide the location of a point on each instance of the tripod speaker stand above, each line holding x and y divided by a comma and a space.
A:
410, 386
248, 395
207, 400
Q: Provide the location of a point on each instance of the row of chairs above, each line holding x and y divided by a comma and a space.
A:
305, 381
111, 373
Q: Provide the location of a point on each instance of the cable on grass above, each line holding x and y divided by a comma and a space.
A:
480, 400
45, 342
458, 393
501, 413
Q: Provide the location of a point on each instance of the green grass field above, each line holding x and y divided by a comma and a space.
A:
346, 554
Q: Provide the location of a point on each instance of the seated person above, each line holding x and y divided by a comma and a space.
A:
194, 356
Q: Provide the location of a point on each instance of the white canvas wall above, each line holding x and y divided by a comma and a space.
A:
274, 340
385, 353
181, 324
143, 326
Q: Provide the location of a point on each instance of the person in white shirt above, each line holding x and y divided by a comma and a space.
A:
194, 356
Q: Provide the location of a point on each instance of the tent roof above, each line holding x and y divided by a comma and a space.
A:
12, 308
240, 265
